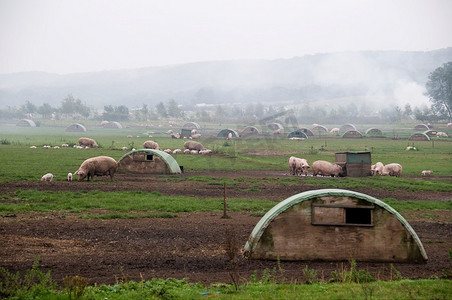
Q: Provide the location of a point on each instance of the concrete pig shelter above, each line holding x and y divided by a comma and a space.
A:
148, 161
334, 225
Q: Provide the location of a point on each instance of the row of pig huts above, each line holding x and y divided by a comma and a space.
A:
424, 131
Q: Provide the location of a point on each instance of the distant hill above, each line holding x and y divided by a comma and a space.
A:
295, 80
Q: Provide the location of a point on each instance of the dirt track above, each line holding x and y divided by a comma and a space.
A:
191, 245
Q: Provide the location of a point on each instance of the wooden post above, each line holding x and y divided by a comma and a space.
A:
225, 204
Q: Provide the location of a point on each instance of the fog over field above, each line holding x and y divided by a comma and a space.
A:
387, 77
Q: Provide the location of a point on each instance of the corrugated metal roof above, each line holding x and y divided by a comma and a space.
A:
170, 161
298, 198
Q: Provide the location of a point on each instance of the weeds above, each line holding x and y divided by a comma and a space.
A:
34, 282
310, 275
344, 275
75, 286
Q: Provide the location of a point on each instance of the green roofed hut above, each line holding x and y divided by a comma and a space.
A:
225, 133
26, 123
148, 161
334, 225
297, 134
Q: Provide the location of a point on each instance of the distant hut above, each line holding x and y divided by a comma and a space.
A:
319, 128
297, 134
77, 127
225, 133
352, 134
189, 128
374, 132
26, 123
419, 136
148, 161
334, 225
347, 127
250, 130
421, 127
275, 126
112, 124
306, 131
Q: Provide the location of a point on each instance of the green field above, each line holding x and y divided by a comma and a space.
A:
269, 153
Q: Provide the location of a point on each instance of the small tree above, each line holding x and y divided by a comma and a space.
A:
439, 90
161, 110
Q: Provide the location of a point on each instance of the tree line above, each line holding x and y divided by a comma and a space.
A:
438, 89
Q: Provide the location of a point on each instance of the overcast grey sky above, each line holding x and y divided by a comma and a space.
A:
92, 35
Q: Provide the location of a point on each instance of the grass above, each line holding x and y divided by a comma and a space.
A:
137, 204
356, 284
123, 204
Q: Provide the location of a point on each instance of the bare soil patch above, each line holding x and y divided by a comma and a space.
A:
191, 245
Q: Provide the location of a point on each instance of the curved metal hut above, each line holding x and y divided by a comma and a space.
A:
347, 127
334, 225
77, 127
421, 127
306, 131
320, 128
148, 161
225, 132
250, 130
26, 123
374, 132
419, 136
297, 134
275, 126
352, 134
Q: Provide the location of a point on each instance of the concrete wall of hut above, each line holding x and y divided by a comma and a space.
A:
291, 236
142, 164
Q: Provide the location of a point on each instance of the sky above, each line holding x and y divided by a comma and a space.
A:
62, 36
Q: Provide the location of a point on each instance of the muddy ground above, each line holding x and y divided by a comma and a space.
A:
191, 245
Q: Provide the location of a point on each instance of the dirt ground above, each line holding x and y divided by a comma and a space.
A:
193, 244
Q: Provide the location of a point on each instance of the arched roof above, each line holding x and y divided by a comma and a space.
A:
298, 134
250, 130
419, 136
306, 131
308, 195
421, 127
76, 127
347, 127
352, 134
170, 161
225, 132
374, 131
26, 122
275, 126
191, 125
320, 128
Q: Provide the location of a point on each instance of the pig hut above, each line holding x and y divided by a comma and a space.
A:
306, 131
188, 128
352, 134
225, 133
374, 132
319, 128
347, 127
355, 164
112, 124
148, 161
297, 134
250, 130
26, 123
419, 136
76, 128
334, 225
421, 127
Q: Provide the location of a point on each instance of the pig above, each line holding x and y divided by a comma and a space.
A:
99, 166
326, 168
